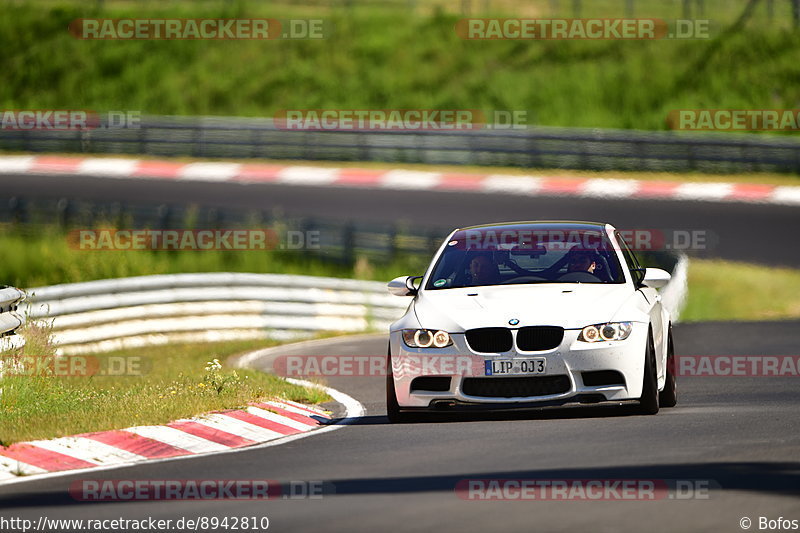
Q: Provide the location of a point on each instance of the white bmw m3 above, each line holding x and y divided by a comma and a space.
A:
531, 314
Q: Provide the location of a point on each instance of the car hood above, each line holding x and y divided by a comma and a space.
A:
572, 305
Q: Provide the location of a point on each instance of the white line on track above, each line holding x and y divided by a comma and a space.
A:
610, 188
410, 179
501, 183
273, 417
308, 175
209, 171
703, 191
16, 163
237, 427
108, 167
177, 438
87, 450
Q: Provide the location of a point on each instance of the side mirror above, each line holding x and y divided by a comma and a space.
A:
403, 286
655, 278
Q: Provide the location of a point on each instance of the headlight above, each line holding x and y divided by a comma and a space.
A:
425, 338
612, 331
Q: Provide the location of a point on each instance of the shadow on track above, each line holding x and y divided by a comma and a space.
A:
773, 478
546, 413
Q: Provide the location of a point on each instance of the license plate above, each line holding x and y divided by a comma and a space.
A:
516, 367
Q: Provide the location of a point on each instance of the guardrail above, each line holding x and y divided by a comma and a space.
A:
122, 313
10, 318
544, 147
105, 315
674, 293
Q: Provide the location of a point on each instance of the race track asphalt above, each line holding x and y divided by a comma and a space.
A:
740, 437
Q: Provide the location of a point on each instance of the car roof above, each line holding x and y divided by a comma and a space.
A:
571, 224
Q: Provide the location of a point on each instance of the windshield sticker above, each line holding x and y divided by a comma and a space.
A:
440, 283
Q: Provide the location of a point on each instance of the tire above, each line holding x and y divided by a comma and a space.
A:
669, 396
393, 412
392, 408
648, 402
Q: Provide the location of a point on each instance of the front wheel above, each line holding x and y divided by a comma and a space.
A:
648, 402
393, 412
392, 407
669, 396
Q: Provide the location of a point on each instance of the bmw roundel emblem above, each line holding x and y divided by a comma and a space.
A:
514, 321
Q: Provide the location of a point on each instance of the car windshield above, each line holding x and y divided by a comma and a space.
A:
523, 255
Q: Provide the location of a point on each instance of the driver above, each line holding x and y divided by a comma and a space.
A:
483, 270
582, 262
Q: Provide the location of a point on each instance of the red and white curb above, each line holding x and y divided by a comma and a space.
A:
398, 179
265, 423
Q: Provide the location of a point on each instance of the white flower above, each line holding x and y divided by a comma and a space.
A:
213, 365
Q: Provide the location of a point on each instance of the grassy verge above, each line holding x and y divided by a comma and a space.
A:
163, 384
392, 57
37, 256
726, 290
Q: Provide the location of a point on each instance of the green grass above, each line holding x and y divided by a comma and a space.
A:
37, 256
726, 290
169, 382
394, 57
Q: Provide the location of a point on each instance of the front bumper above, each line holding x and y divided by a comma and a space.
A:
575, 372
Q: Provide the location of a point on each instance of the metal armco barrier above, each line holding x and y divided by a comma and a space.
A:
120, 313
545, 147
10, 318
